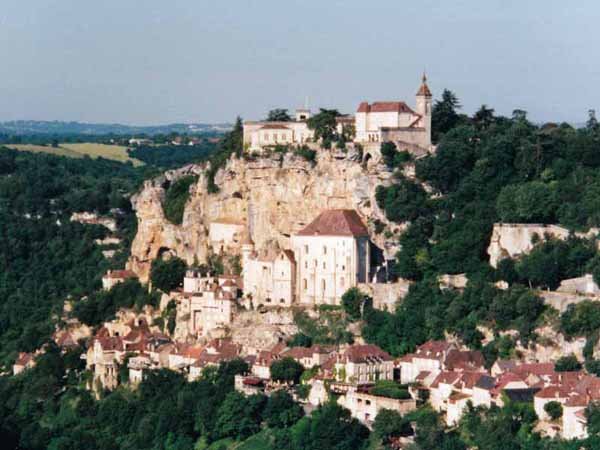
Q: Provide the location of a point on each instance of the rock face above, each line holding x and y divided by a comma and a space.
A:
510, 240
274, 197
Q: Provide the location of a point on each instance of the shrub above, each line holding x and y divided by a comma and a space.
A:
554, 410
176, 197
286, 370
390, 389
167, 275
567, 364
306, 153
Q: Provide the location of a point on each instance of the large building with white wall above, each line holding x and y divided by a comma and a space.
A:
259, 135
332, 255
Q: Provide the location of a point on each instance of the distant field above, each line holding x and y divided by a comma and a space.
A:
114, 152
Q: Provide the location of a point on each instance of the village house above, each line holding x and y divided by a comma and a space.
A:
113, 277
261, 135
211, 302
309, 357
365, 406
363, 364
332, 254
23, 361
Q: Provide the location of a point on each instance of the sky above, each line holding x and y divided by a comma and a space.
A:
154, 61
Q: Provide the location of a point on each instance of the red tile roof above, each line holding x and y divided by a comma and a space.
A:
120, 274
274, 126
365, 353
399, 107
336, 222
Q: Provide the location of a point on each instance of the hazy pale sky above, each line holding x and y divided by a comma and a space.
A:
162, 61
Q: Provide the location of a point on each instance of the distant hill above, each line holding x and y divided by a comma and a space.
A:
32, 127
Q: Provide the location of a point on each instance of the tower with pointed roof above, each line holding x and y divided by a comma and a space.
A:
423, 107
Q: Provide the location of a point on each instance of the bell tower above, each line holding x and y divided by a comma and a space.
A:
423, 107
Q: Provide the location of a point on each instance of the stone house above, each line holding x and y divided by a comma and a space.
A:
363, 364
332, 254
113, 277
261, 135
309, 357
428, 357
23, 361
365, 406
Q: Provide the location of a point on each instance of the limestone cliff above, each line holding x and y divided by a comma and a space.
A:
274, 196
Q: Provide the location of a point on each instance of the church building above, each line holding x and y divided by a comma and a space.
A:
332, 255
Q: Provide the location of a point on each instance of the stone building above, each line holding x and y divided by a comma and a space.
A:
259, 135
113, 277
270, 276
211, 302
332, 254
363, 364
396, 122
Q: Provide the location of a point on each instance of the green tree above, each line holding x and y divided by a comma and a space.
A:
176, 198
166, 275
278, 115
568, 363
444, 115
324, 125
281, 410
390, 424
286, 370
353, 302
554, 410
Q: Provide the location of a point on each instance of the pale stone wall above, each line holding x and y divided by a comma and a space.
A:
510, 240
327, 266
365, 407
258, 135
271, 282
573, 428
363, 373
223, 235
386, 295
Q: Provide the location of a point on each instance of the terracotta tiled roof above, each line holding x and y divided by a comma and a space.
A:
422, 375
399, 107
336, 222
553, 392
534, 368
120, 274
274, 126
445, 378
24, 359
464, 360
365, 353
424, 89
433, 350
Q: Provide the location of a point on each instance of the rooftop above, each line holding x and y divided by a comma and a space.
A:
336, 222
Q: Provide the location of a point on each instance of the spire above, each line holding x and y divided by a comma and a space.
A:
424, 89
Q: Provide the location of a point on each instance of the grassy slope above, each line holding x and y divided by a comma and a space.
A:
114, 152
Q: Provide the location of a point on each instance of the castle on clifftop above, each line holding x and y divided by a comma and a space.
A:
374, 123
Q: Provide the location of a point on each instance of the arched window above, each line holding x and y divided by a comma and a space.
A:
342, 282
324, 249
304, 284
323, 285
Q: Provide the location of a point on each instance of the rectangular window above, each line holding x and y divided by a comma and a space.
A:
306, 249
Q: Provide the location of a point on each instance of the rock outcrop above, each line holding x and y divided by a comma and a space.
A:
510, 240
274, 197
